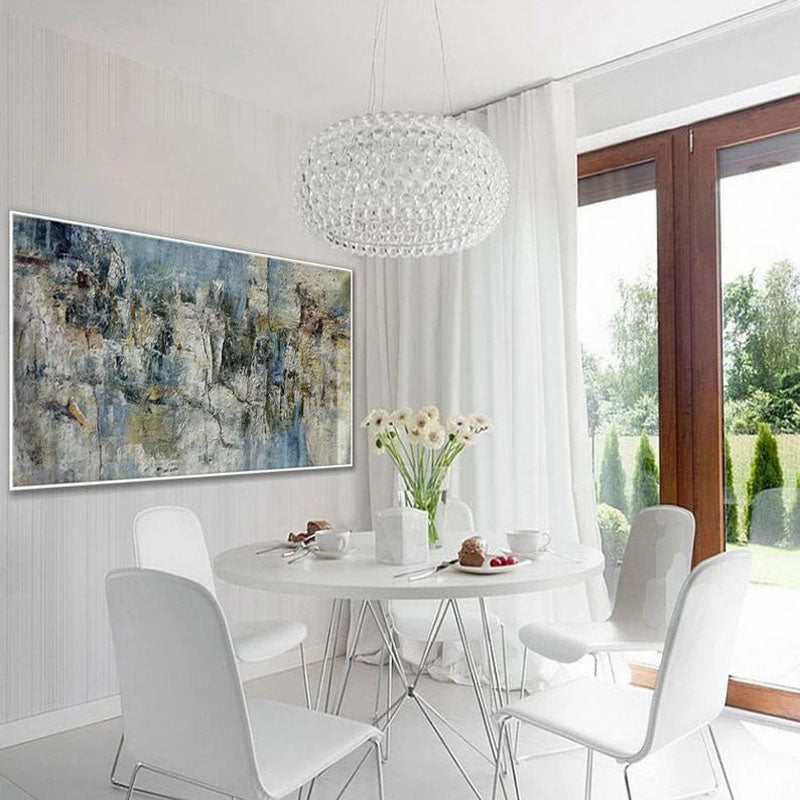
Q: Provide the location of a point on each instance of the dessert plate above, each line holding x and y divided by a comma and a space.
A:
487, 570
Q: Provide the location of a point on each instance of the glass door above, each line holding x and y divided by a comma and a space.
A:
745, 185
623, 289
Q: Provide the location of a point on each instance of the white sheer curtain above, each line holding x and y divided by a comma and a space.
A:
494, 330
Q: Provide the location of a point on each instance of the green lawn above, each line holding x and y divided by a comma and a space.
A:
774, 565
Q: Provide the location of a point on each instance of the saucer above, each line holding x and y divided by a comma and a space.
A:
332, 555
531, 556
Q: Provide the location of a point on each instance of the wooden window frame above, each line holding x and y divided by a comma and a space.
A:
690, 330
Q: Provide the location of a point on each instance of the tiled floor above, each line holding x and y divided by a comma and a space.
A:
763, 761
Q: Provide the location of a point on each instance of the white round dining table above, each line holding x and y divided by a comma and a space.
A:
357, 577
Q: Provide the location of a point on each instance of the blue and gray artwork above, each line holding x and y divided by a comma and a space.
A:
140, 357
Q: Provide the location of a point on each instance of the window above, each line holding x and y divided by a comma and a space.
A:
727, 281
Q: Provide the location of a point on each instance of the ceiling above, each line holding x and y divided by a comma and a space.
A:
310, 58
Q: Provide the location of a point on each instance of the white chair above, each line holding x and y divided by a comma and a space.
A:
657, 560
184, 712
170, 539
627, 723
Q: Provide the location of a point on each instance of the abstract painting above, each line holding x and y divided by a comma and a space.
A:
137, 357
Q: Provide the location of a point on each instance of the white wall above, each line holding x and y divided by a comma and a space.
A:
92, 136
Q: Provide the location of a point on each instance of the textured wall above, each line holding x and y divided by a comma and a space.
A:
90, 136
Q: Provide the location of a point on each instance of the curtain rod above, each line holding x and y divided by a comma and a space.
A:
646, 52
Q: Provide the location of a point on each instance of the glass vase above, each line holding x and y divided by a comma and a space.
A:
433, 506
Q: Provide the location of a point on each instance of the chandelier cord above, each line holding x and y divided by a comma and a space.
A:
381, 12
447, 100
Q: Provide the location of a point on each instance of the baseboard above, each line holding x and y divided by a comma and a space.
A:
28, 729
64, 719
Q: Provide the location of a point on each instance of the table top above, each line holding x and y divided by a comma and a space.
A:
359, 577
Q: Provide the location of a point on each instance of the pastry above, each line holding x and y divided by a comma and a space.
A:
473, 552
315, 525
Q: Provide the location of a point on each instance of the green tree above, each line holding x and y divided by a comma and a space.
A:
731, 507
645, 477
765, 474
740, 325
794, 520
612, 475
634, 341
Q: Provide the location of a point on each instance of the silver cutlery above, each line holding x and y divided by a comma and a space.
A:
301, 546
430, 572
271, 549
423, 568
305, 552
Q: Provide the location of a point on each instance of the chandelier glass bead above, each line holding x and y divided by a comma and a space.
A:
399, 184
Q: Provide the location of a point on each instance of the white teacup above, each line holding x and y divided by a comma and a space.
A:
332, 541
527, 540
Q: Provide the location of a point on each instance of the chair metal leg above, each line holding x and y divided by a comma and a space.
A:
627, 782
132, 782
721, 762
504, 645
587, 789
611, 667
387, 732
504, 738
379, 767
304, 668
118, 784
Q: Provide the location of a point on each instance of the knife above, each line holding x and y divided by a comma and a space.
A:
429, 573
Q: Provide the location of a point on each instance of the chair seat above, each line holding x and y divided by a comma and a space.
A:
569, 642
605, 717
413, 619
293, 745
258, 640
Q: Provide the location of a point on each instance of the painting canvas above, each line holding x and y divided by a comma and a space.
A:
137, 357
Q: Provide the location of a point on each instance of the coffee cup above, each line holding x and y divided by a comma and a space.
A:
527, 540
332, 541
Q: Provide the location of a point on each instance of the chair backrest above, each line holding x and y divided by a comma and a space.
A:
657, 560
183, 706
170, 539
693, 677
458, 516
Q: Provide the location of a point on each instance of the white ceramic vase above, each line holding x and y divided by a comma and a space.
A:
401, 536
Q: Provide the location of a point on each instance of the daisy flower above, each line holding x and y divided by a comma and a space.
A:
415, 435
466, 437
421, 421
433, 437
431, 412
479, 422
402, 416
379, 420
457, 424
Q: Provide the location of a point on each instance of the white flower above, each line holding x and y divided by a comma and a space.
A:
431, 412
457, 423
466, 437
479, 422
414, 434
378, 445
379, 420
421, 421
402, 416
433, 437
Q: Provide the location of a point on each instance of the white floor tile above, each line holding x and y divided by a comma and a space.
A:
763, 762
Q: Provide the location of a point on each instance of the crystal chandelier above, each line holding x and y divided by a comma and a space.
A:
394, 184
